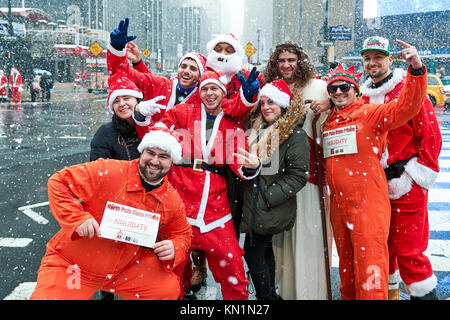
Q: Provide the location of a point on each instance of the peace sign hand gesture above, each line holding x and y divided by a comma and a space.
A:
249, 160
410, 54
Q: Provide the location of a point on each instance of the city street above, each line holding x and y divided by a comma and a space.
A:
38, 139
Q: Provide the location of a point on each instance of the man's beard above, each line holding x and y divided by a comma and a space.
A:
154, 177
229, 66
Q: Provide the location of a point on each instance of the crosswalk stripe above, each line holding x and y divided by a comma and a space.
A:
22, 292
34, 215
15, 242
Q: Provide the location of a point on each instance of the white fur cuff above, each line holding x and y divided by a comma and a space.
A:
422, 175
421, 288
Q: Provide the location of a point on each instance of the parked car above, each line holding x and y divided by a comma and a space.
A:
447, 97
435, 90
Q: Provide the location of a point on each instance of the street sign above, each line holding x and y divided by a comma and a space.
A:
146, 52
95, 48
249, 49
322, 43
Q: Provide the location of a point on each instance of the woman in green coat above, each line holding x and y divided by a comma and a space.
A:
269, 200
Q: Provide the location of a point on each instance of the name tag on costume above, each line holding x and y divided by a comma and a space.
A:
128, 224
339, 141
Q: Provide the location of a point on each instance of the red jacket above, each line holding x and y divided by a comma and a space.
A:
205, 193
419, 138
152, 86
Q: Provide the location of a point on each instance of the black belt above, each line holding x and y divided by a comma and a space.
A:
395, 170
200, 165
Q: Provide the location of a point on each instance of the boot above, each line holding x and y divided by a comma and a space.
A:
199, 270
429, 296
394, 294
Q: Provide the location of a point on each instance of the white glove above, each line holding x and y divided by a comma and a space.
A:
150, 107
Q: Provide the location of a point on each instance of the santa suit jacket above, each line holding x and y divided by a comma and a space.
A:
153, 86
419, 139
205, 193
17, 83
3, 84
81, 192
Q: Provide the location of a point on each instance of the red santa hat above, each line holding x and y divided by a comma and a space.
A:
278, 91
198, 58
227, 38
212, 75
164, 139
121, 86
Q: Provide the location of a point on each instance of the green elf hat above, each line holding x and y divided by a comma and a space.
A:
376, 43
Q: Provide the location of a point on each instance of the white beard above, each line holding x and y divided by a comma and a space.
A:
229, 66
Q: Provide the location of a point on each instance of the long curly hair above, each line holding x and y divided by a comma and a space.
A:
305, 70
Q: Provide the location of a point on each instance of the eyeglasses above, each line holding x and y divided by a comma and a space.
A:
345, 87
290, 60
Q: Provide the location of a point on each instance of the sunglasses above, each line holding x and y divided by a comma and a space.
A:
345, 87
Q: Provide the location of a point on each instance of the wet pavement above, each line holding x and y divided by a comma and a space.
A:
37, 139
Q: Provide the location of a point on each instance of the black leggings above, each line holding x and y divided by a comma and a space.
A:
261, 264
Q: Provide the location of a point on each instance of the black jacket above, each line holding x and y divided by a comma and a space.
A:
107, 143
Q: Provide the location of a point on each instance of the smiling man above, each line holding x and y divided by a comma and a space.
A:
210, 140
79, 261
411, 164
354, 137
181, 89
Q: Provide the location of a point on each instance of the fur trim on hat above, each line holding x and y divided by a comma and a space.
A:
276, 95
122, 92
219, 83
163, 140
227, 38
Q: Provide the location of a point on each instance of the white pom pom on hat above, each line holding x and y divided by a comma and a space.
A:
227, 38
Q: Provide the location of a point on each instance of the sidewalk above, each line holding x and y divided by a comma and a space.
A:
64, 91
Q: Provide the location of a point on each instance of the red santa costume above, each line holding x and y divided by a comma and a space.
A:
3, 86
150, 84
415, 147
16, 84
202, 186
230, 65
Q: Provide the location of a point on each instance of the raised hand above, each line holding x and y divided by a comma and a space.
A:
410, 54
133, 52
250, 86
249, 159
150, 107
119, 36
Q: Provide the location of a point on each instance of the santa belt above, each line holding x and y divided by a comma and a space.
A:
200, 165
395, 170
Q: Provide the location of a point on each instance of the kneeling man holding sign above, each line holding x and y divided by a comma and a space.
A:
123, 227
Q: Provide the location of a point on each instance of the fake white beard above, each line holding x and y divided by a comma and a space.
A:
229, 66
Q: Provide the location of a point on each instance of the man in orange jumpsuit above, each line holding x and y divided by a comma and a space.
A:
79, 261
354, 138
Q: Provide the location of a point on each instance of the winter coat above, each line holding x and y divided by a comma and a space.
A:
273, 208
80, 192
109, 143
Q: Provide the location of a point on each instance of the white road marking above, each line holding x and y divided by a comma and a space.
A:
34, 215
72, 137
22, 292
14, 242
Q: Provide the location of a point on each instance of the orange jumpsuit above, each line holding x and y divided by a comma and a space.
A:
75, 267
360, 207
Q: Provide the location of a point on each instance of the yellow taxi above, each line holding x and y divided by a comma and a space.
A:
435, 90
